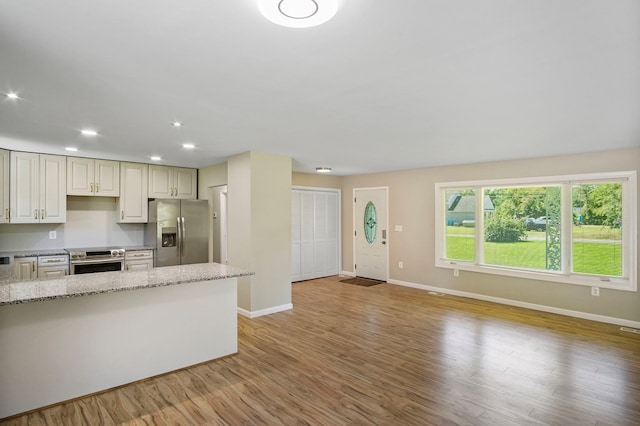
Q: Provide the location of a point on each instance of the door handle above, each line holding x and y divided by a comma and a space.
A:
183, 236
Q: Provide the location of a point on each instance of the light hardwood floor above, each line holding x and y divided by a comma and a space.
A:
389, 355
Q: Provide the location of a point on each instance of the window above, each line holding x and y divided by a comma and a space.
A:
571, 229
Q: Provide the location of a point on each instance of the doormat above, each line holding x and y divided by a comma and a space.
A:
365, 282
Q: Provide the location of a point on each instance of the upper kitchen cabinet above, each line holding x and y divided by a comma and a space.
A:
89, 177
38, 185
173, 182
133, 204
4, 186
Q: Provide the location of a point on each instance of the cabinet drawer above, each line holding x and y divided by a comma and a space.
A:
53, 260
138, 255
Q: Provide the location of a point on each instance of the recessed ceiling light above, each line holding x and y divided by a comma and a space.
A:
323, 169
177, 124
298, 13
89, 132
188, 145
156, 158
12, 95
70, 148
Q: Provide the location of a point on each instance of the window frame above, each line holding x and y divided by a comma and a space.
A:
628, 280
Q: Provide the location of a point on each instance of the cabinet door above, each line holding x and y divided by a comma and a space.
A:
57, 272
80, 172
53, 189
133, 204
185, 183
4, 186
26, 267
160, 182
138, 265
24, 182
107, 178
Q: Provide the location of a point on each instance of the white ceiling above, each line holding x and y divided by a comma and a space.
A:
384, 85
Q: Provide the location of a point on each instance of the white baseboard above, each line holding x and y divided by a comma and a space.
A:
348, 273
510, 302
262, 312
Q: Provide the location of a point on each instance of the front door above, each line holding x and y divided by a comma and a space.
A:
370, 223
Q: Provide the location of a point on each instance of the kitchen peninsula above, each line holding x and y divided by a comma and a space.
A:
80, 334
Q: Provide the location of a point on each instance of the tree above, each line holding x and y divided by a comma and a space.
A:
607, 203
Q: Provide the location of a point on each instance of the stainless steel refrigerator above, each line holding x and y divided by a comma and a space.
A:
179, 231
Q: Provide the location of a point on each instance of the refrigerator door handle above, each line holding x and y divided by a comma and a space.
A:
184, 240
179, 232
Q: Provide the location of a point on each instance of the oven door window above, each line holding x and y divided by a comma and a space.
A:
88, 268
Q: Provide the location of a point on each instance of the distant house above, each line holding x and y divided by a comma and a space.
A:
461, 209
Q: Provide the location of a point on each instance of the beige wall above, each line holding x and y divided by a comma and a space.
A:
214, 175
259, 222
411, 204
316, 180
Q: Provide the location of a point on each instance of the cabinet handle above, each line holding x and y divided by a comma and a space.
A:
33, 266
35, 214
97, 188
6, 213
42, 215
91, 188
122, 214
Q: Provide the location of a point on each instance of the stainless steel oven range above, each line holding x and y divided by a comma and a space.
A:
100, 259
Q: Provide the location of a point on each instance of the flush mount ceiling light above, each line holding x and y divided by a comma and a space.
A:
89, 132
176, 124
156, 158
298, 13
12, 95
323, 169
72, 149
188, 145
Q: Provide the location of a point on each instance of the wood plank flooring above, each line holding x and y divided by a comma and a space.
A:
389, 355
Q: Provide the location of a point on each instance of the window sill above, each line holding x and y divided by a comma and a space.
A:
613, 283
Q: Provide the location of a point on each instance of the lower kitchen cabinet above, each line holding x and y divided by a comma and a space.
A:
26, 267
139, 260
53, 266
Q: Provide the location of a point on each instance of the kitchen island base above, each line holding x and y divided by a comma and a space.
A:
56, 350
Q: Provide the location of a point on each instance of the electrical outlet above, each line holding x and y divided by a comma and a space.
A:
52, 235
401, 264
595, 291
456, 272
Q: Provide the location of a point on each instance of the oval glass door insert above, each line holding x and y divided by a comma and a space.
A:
370, 222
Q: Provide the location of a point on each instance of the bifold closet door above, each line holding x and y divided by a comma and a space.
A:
314, 234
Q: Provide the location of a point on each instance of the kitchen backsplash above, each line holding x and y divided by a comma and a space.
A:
91, 222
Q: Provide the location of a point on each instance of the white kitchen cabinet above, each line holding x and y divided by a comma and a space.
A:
91, 177
138, 260
37, 188
26, 267
133, 204
173, 182
4, 186
53, 266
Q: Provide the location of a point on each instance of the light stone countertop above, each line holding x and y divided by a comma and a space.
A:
34, 253
12, 293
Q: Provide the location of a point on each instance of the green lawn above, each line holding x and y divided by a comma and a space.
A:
589, 257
